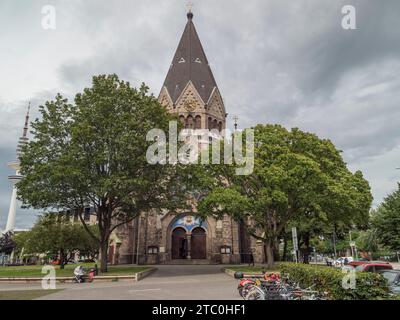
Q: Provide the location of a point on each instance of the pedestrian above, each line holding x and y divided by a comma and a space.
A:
251, 260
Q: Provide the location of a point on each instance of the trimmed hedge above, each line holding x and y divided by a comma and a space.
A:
369, 286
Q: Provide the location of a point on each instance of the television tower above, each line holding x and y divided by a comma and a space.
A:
23, 140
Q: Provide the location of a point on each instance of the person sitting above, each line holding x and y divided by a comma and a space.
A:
79, 273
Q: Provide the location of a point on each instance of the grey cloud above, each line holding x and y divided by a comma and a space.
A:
275, 61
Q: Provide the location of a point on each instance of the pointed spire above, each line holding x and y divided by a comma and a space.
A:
190, 64
23, 140
26, 126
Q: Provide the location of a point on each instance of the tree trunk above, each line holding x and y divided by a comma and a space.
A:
103, 256
269, 252
307, 250
276, 250
285, 247
62, 259
105, 233
334, 240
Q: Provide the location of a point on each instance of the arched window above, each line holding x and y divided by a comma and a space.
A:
220, 126
189, 122
197, 122
209, 124
182, 120
215, 124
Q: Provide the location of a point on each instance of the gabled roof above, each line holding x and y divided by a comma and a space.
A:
190, 64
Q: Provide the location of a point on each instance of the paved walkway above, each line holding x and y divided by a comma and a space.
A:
173, 282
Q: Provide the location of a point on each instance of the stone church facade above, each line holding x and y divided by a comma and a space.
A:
191, 92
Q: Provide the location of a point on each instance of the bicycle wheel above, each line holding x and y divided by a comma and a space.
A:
254, 293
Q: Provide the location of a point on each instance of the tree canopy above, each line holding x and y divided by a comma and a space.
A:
386, 221
57, 236
7, 243
93, 153
297, 176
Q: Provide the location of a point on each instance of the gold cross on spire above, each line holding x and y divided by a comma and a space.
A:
190, 6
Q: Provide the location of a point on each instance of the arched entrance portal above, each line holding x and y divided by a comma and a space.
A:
199, 244
179, 244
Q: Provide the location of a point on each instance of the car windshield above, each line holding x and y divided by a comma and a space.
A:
390, 276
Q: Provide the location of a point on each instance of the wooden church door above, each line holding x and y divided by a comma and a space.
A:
199, 244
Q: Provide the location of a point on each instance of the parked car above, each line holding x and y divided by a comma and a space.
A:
374, 266
393, 278
341, 261
358, 262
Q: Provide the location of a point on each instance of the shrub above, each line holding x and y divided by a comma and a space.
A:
369, 286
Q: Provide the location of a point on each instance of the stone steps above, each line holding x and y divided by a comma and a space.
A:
190, 262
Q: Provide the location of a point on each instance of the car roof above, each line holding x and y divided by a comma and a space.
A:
380, 264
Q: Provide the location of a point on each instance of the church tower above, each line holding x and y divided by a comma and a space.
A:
175, 236
190, 89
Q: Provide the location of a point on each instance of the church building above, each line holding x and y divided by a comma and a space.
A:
189, 90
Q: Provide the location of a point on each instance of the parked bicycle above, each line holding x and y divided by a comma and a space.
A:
273, 287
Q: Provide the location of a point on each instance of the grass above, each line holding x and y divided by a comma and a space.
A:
25, 294
36, 271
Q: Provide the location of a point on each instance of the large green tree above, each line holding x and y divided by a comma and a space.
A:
386, 221
93, 153
57, 236
296, 176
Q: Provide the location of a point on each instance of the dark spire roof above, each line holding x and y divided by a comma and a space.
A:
190, 64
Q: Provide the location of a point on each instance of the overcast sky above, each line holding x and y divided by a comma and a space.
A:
275, 61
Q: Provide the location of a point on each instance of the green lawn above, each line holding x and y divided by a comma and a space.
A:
25, 294
35, 271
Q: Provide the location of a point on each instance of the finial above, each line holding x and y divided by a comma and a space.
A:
190, 13
236, 118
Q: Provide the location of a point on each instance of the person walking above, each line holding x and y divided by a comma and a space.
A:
251, 259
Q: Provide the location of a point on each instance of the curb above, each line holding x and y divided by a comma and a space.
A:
231, 273
143, 274
135, 277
